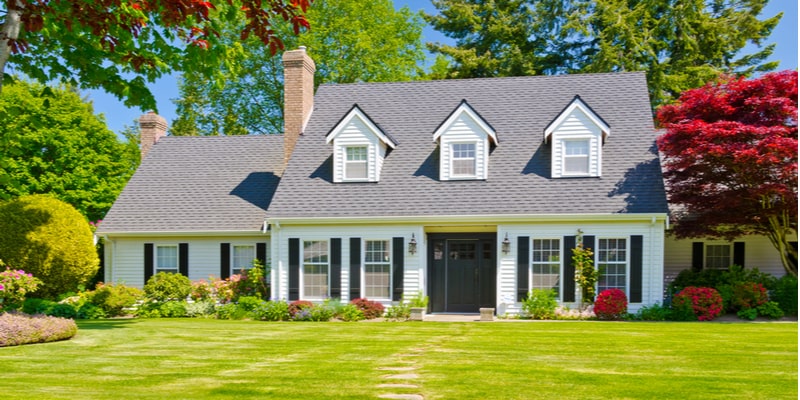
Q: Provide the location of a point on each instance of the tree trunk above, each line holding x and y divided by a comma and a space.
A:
9, 30
777, 230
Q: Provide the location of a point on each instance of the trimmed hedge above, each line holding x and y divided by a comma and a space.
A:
17, 329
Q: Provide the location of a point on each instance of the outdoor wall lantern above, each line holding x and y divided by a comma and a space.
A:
412, 245
506, 245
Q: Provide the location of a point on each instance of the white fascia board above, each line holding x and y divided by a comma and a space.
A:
472, 219
356, 112
465, 108
256, 232
577, 103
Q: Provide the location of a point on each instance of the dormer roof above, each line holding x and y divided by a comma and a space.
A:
577, 104
465, 109
357, 112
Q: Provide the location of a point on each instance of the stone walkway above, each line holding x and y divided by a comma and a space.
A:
402, 377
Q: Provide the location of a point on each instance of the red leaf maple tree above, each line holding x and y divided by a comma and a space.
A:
101, 43
730, 160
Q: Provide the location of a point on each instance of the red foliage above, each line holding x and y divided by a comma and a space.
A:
371, 309
611, 304
705, 303
730, 156
748, 295
298, 305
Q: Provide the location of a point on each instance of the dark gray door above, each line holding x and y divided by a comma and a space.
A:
461, 272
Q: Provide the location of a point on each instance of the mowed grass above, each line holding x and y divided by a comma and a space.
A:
196, 359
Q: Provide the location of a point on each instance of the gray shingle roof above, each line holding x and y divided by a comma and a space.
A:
519, 168
200, 184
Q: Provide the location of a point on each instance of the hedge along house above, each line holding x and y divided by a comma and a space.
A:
471, 192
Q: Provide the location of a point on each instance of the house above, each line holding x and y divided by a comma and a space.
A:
471, 192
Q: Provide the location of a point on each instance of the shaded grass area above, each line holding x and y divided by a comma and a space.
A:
191, 359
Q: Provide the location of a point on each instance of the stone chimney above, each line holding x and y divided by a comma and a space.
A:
152, 127
298, 96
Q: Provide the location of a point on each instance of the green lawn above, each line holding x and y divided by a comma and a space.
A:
193, 359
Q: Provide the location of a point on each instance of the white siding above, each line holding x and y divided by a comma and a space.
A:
125, 256
758, 253
577, 125
357, 133
464, 130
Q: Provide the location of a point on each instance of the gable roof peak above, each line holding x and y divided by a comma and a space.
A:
579, 104
357, 112
465, 108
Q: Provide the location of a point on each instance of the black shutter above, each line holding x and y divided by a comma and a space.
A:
294, 269
697, 256
523, 266
569, 271
148, 261
588, 243
398, 251
183, 259
336, 268
636, 269
261, 253
738, 254
355, 268
224, 260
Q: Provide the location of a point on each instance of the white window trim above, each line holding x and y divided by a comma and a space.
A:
705, 254
345, 163
560, 265
302, 271
588, 141
177, 247
453, 175
363, 288
233, 252
627, 262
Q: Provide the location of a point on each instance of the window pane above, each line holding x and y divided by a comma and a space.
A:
243, 257
718, 256
377, 269
315, 269
612, 259
576, 156
546, 264
356, 154
355, 166
463, 159
576, 147
166, 259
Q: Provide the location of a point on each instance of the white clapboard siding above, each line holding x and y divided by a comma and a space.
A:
758, 253
577, 125
464, 130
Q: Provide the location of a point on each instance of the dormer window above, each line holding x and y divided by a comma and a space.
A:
359, 147
355, 165
465, 140
576, 137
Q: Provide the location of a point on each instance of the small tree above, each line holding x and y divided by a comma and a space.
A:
586, 275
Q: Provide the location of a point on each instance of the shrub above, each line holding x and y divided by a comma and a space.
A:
200, 309
16, 329
202, 290
398, 312
611, 304
63, 310
271, 311
586, 275
51, 239
90, 311
747, 313
172, 309
540, 304
165, 286
230, 311
15, 284
770, 310
114, 299
656, 312
297, 306
37, 306
249, 303
148, 309
251, 282
321, 312
566, 313
702, 303
748, 295
785, 294
351, 313
369, 309
417, 301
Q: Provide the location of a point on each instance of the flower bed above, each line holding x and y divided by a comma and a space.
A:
16, 329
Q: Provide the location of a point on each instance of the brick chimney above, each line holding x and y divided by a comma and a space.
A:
298, 96
152, 127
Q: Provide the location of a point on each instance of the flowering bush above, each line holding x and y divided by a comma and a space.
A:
370, 309
748, 295
611, 304
15, 284
297, 306
703, 303
16, 329
202, 290
567, 313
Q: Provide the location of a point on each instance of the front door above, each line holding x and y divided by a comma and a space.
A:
461, 272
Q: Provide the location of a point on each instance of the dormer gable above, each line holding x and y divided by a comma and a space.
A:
359, 147
465, 140
576, 136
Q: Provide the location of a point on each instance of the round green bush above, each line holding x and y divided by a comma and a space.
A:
114, 299
49, 239
165, 286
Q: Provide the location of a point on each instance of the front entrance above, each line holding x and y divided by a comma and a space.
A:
462, 272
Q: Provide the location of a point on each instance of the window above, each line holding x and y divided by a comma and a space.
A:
718, 256
576, 157
315, 269
377, 269
243, 256
612, 261
546, 264
167, 259
463, 159
355, 166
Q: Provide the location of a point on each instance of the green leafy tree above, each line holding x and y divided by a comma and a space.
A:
52, 142
352, 41
680, 43
51, 240
119, 45
586, 275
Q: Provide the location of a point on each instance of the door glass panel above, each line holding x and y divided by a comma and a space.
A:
462, 251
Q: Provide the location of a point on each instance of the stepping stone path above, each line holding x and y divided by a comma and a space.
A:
401, 377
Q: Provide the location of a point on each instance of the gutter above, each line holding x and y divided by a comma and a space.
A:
471, 219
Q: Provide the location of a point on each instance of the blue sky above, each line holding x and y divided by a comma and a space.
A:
165, 90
